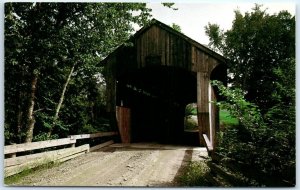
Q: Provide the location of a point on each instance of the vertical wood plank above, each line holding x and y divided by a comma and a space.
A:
214, 117
202, 105
124, 123
211, 117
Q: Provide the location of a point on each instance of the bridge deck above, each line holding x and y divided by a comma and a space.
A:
139, 164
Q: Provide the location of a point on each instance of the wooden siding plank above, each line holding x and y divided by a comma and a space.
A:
213, 63
124, 122
202, 91
167, 49
202, 104
163, 46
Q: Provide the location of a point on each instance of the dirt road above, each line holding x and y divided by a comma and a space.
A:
120, 165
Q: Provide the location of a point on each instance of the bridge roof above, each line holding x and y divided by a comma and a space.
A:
182, 36
169, 29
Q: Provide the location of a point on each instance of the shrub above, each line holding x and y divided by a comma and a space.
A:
268, 149
195, 174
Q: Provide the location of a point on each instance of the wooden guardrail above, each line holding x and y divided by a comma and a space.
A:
94, 135
15, 164
208, 144
15, 148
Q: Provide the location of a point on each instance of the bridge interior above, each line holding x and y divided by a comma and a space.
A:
157, 97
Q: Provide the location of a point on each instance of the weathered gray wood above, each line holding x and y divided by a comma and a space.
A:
166, 47
27, 158
17, 165
203, 105
214, 112
37, 145
70, 157
94, 135
101, 145
207, 143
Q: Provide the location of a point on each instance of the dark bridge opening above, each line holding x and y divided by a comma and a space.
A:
157, 97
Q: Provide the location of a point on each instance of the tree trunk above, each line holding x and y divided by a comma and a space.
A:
30, 115
19, 119
61, 99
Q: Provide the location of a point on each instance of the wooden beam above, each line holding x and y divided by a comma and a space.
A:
8, 162
202, 104
207, 143
94, 135
9, 149
101, 145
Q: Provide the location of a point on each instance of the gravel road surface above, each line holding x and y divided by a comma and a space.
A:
140, 164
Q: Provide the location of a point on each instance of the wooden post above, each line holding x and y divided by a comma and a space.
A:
124, 123
211, 116
203, 105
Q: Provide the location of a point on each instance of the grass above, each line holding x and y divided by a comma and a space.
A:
195, 174
17, 177
226, 119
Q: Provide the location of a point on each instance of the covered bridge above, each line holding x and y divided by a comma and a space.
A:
150, 82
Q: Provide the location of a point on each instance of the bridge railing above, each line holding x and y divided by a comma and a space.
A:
14, 164
208, 143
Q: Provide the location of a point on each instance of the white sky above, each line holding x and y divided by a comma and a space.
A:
192, 17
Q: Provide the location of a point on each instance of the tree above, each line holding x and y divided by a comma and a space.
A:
261, 53
266, 143
256, 44
170, 5
47, 45
176, 27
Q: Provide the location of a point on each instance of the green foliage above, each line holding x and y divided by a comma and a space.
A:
215, 36
257, 142
191, 109
261, 50
44, 137
246, 112
170, 5
256, 44
7, 134
176, 27
226, 119
189, 122
45, 40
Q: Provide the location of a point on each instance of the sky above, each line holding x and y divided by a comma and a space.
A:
193, 17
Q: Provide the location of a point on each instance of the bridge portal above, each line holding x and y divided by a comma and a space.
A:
150, 83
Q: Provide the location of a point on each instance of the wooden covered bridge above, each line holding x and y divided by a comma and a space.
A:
150, 82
